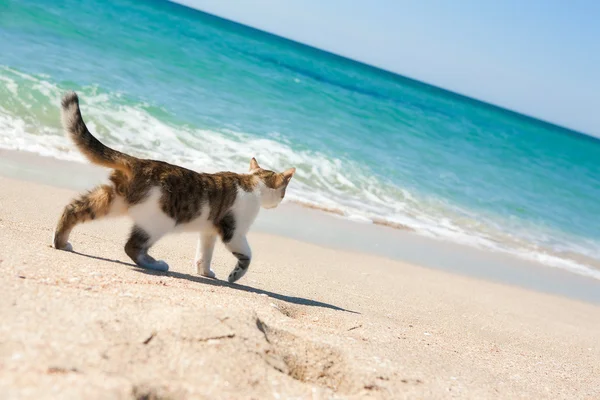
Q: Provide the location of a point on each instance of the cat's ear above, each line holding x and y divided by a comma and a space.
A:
287, 174
254, 164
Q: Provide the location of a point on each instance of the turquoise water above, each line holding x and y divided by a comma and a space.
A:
160, 80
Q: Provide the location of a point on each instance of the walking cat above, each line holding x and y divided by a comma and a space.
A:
162, 198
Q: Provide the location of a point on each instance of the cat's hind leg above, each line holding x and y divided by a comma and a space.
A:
204, 253
138, 245
98, 202
151, 223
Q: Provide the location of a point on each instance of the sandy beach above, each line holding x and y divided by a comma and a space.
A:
307, 321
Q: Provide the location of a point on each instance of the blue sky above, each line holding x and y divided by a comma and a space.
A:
541, 58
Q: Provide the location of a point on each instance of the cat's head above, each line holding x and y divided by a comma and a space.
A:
273, 184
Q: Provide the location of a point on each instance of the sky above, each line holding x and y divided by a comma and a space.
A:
537, 57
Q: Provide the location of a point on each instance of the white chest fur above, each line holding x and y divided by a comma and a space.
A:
245, 209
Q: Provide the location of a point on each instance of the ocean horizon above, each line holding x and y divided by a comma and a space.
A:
160, 80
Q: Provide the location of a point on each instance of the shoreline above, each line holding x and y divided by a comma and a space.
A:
304, 223
488, 238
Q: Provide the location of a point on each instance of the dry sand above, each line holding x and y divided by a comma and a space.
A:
305, 322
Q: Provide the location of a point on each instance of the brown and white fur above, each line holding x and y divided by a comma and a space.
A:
163, 198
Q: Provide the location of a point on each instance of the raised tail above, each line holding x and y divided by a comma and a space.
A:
91, 147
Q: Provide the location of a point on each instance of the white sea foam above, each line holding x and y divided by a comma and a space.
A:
321, 181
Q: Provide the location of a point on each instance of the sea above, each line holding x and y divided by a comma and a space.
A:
159, 80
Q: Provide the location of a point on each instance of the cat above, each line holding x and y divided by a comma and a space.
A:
162, 198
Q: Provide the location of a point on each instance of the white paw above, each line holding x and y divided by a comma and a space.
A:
209, 274
155, 266
201, 269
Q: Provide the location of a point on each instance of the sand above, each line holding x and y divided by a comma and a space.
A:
305, 322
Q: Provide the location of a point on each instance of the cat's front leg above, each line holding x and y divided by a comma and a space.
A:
204, 253
239, 247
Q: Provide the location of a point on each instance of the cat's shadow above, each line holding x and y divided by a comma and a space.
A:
215, 282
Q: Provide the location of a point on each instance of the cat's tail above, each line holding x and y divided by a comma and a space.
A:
91, 147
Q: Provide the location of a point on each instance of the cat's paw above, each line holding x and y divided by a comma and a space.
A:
209, 274
56, 243
202, 270
66, 247
155, 266
236, 274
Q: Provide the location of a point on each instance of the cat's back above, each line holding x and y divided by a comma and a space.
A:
174, 178
148, 174
185, 191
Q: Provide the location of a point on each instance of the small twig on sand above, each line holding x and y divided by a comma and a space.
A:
61, 370
229, 336
355, 327
150, 337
